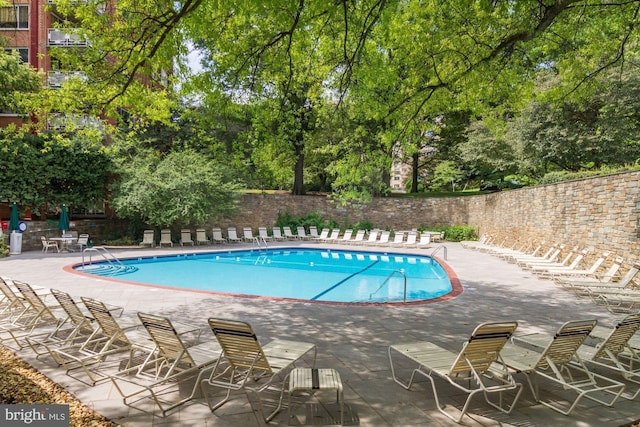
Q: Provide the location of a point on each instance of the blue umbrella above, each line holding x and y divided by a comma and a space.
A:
63, 222
14, 220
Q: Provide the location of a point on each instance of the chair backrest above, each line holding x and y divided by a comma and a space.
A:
262, 232
165, 235
103, 317
248, 233
201, 234
398, 237
412, 237
232, 233
334, 234
347, 234
483, 347
384, 236
68, 304
148, 237
302, 232
34, 300
277, 232
185, 235
619, 337
359, 236
608, 275
373, 236
425, 238
164, 335
313, 231
324, 233
599, 262
628, 277
11, 296
83, 239
287, 232
239, 344
217, 234
565, 343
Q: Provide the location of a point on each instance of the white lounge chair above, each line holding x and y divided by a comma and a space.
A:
174, 365
373, 237
232, 235
216, 236
277, 234
288, 234
185, 237
148, 238
247, 365
302, 233
425, 240
384, 238
359, 238
476, 369
263, 234
247, 234
398, 239
412, 238
165, 237
201, 237
82, 242
556, 362
346, 237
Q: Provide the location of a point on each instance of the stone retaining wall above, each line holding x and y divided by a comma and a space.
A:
601, 212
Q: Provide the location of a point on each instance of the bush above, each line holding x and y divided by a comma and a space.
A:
454, 233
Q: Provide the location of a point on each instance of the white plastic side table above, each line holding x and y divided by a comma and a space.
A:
310, 379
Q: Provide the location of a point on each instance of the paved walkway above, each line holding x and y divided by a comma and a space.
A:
352, 339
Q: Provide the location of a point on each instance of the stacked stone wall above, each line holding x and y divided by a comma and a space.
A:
600, 212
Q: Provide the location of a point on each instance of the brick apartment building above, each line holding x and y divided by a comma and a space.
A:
32, 28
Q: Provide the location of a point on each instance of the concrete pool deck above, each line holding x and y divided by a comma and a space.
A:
351, 339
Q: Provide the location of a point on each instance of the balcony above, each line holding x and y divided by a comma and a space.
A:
57, 78
71, 122
66, 38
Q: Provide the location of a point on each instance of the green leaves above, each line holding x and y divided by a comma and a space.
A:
183, 188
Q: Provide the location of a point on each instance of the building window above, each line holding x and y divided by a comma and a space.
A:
22, 51
14, 17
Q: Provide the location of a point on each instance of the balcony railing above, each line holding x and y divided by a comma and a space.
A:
68, 37
57, 78
62, 122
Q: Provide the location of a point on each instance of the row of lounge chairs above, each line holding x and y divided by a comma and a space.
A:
606, 279
157, 364
149, 359
360, 237
493, 355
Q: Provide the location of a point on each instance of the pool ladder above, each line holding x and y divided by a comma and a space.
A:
106, 255
260, 242
393, 273
444, 250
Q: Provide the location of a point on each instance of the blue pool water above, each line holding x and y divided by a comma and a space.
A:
307, 274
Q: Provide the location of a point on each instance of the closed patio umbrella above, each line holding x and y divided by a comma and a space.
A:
63, 222
14, 220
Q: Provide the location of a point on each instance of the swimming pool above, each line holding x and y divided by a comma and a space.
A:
291, 273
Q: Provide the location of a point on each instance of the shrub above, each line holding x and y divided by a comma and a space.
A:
454, 233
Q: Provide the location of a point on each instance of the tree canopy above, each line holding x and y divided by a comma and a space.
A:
324, 93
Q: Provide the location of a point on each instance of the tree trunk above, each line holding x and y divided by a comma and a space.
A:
298, 174
414, 172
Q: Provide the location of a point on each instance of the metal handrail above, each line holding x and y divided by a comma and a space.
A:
102, 251
257, 240
404, 276
438, 248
